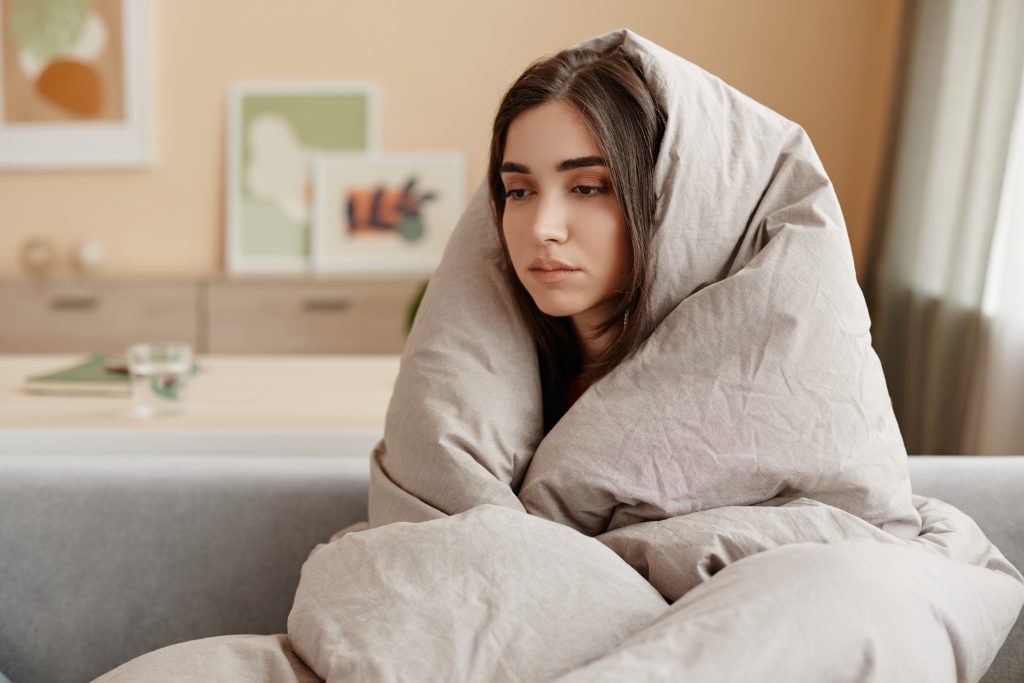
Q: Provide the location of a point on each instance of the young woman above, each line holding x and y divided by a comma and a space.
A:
671, 255
571, 180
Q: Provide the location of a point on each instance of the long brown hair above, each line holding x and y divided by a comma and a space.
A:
619, 111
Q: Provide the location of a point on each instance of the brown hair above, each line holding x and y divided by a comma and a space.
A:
618, 109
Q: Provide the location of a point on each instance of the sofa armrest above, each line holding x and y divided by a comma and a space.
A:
991, 490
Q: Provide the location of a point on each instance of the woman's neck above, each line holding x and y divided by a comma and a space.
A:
592, 347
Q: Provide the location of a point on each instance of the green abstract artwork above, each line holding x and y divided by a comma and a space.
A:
277, 132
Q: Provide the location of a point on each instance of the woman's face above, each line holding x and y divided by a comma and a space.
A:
563, 225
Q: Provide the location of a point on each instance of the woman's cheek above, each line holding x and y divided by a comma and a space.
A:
514, 241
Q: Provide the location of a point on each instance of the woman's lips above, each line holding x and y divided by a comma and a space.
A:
551, 271
551, 277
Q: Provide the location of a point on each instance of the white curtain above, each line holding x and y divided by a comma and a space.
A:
997, 421
944, 202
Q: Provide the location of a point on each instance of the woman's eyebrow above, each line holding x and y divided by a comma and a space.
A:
567, 165
580, 162
512, 167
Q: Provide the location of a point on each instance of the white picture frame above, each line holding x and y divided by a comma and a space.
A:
419, 198
84, 144
269, 213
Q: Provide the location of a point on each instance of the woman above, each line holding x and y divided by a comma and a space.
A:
730, 483
576, 214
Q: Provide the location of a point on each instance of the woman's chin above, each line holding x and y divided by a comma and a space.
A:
556, 309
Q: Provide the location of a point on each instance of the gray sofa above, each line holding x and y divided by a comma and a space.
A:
103, 558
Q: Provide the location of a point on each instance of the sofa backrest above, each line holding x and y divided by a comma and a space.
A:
103, 558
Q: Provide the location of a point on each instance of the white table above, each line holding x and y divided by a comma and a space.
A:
302, 405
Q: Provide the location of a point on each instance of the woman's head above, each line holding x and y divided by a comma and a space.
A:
565, 232
571, 179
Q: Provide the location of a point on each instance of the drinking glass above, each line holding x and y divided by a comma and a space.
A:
160, 374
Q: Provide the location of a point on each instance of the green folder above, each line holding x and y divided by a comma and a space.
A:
87, 378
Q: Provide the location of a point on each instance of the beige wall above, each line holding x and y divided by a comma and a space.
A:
441, 67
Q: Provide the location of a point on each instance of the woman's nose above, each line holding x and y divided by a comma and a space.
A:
550, 222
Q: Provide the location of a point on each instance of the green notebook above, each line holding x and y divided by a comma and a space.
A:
88, 378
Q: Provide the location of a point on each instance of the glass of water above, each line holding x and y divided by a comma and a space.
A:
160, 374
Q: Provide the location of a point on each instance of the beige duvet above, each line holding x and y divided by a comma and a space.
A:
732, 503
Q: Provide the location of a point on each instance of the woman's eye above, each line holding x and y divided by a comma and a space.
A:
515, 194
588, 190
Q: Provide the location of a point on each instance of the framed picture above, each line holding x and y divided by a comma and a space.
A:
387, 212
274, 130
75, 84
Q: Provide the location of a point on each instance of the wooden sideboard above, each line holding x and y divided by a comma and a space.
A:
215, 315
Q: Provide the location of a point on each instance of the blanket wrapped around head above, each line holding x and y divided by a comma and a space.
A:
758, 382
743, 460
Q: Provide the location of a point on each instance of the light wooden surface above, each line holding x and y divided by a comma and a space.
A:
271, 394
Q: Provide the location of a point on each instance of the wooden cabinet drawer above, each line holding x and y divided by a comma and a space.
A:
87, 317
353, 316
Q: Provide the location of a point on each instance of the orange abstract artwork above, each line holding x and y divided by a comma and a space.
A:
63, 60
384, 210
